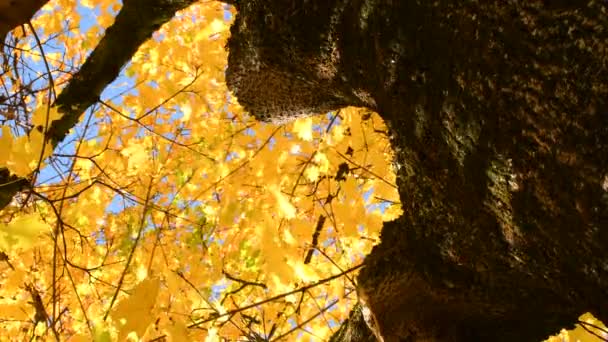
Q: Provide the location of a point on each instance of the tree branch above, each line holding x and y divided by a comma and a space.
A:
134, 24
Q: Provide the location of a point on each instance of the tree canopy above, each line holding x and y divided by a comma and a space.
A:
158, 207
139, 200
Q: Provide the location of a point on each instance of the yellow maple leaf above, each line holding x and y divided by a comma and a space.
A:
337, 134
212, 335
36, 141
6, 143
286, 209
22, 154
15, 279
177, 331
209, 31
303, 128
135, 313
15, 311
312, 173
21, 232
137, 156
323, 163
20, 157
43, 116
303, 271
187, 110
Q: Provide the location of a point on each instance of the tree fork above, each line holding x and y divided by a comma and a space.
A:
499, 119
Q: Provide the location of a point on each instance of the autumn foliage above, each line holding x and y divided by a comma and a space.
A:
168, 213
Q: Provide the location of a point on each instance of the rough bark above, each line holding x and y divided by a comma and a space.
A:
355, 328
14, 13
134, 24
499, 118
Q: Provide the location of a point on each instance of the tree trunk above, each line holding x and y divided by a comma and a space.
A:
499, 118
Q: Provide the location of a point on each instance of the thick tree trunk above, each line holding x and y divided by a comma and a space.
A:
499, 117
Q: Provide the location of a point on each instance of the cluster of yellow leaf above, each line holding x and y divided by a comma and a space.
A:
21, 155
588, 329
21, 232
172, 213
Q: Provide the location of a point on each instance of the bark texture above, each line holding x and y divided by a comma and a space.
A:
499, 118
14, 13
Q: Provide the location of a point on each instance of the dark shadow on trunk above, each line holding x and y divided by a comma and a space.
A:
499, 118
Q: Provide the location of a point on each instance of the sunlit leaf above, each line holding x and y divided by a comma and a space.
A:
135, 313
21, 232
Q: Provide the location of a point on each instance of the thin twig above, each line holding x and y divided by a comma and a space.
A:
271, 299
